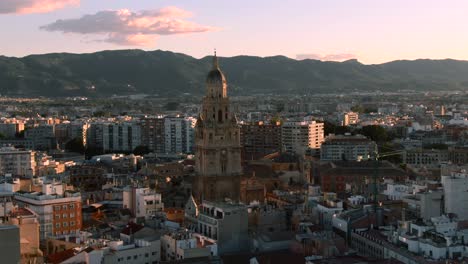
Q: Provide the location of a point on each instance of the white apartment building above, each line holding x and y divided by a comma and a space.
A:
347, 147
299, 137
17, 162
456, 193
178, 134
143, 202
110, 136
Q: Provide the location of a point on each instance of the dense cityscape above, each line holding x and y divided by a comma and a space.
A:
326, 179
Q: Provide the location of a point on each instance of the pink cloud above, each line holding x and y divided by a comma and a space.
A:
34, 6
124, 27
329, 57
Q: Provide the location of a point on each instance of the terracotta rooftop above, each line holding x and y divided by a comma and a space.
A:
21, 212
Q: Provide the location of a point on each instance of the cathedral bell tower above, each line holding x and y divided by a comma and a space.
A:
217, 143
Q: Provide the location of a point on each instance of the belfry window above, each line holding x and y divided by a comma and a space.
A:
220, 116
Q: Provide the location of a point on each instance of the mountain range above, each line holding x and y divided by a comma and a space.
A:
164, 73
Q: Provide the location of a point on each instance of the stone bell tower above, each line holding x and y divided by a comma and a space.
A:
217, 143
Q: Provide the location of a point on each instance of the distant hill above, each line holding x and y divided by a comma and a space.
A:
170, 74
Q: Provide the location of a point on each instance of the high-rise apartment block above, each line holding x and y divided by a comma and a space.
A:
107, 136
17, 162
178, 134
300, 137
153, 133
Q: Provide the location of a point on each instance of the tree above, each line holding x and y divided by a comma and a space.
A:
75, 145
358, 109
276, 119
141, 150
375, 132
330, 128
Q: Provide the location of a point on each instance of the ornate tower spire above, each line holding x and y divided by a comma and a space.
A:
215, 61
217, 142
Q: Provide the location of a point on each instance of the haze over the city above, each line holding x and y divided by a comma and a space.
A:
336, 30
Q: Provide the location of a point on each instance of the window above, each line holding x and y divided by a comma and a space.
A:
64, 207
72, 215
146, 255
57, 208
65, 216
72, 223
72, 206
153, 253
57, 216
65, 224
129, 257
135, 257
57, 225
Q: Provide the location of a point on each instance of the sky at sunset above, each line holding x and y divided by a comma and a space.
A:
372, 31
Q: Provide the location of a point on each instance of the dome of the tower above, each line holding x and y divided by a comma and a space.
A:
215, 75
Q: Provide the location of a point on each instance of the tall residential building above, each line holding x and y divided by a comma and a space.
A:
153, 133
107, 136
78, 129
300, 137
347, 147
10, 130
17, 162
43, 137
456, 193
260, 139
179, 132
217, 143
57, 214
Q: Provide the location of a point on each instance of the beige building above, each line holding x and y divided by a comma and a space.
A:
299, 137
350, 118
217, 143
28, 225
142, 202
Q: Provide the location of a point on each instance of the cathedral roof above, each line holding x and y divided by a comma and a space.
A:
215, 75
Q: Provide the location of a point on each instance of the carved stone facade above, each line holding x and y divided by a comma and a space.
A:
217, 143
